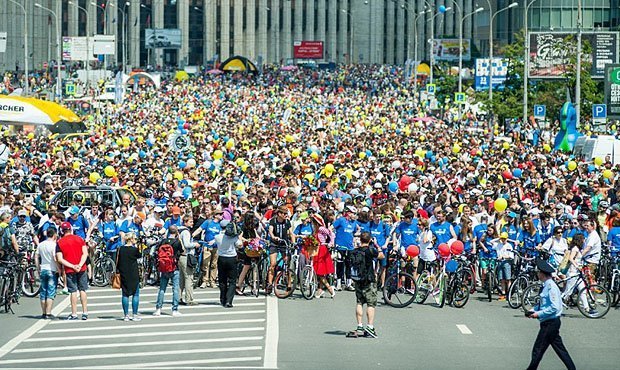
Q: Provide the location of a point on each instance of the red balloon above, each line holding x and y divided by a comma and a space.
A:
444, 250
406, 180
282, 193
457, 247
507, 175
413, 251
186, 125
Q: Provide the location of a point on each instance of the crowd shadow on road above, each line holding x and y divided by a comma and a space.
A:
335, 332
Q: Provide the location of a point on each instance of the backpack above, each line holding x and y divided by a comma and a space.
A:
165, 258
5, 239
358, 267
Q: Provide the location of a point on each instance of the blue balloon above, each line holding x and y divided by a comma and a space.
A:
183, 131
368, 153
433, 159
182, 165
142, 154
187, 192
591, 168
517, 172
149, 142
429, 154
216, 137
393, 187
442, 9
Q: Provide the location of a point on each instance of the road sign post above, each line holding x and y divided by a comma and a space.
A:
431, 88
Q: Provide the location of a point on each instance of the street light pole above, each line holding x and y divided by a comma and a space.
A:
351, 35
88, 54
59, 55
578, 82
415, 50
461, 45
526, 62
149, 51
512, 5
124, 33
432, 20
27, 86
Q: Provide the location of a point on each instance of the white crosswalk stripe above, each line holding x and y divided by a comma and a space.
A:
206, 335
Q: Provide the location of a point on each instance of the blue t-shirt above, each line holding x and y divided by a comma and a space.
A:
171, 221
379, 231
129, 226
303, 229
441, 231
614, 237
491, 252
211, 229
512, 230
408, 233
480, 230
344, 233
530, 241
79, 226
364, 226
108, 231
15, 219
545, 232
44, 228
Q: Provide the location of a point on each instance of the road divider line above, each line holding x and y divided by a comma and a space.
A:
132, 326
119, 310
70, 359
33, 329
175, 364
464, 329
144, 334
135, 344
272, 335
164, 316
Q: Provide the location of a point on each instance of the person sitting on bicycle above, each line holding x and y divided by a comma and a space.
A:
425, 242
486, 250
505, 256
575, 264
380, 232
344, 228
556, 246
110, 233
529, 236
614, 237
25, 236
280, 234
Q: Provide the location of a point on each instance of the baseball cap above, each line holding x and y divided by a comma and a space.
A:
65, 226
176, 210
303, 215
527, 201
74, 210
512, 214
503, 235
141, 215
158, 209
22, 212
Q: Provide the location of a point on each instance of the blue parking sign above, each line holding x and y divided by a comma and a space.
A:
599, 111
540, 111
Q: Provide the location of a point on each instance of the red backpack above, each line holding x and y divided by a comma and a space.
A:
165, 258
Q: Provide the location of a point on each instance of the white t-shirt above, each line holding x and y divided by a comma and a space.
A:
555, 247
47, 252
594, 242
426, 249
504, 250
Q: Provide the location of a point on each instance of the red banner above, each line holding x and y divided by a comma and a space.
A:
308, 50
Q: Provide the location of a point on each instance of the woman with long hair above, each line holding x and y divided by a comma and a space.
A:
127, 266
250, 230
322, 261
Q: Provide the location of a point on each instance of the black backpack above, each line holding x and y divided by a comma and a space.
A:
358, 267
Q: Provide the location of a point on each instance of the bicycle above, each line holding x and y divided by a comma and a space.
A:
285, 280
596, 297
147, 264
491, 284
10, 291
432, 282
400, 288
525, 277
309, 281
458, 286
198, 273
103, 267
30, 281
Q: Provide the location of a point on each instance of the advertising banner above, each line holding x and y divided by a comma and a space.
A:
75, 48
308, 49
549, 53
104, 45
2, 42
448, 49
612, 90
162, 38
498, 71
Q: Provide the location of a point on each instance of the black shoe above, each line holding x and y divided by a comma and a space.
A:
182, 303
228, 305
43, 317
51, 317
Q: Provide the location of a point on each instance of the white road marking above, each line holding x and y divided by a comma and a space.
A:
33, 329
70, 359
119, 310
272, 335
162, 317
204, 300
149, 334
132, 327
168, 294
174, 364
464, 329
135, 344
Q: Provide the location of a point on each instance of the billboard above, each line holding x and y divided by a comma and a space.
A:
448, 49
75, 48
308, 49
549, 53
2, 42
104, 44
612, 90
498, 71
162, 38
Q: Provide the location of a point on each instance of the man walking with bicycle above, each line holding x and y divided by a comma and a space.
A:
281, 234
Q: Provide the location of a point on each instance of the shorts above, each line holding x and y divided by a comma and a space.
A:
424, 265
247, 261
485, 262
275, 249
77, 282
504, 271
366, 294
49, 280
383, 262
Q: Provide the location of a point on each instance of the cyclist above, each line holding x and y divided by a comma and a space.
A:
8, 244
486, 250
425, 242
280, 233
110, 233
210, 228
344, 228
133, 226
504, 248
25, 236
251, 230
442, 229
556, 246
380, 232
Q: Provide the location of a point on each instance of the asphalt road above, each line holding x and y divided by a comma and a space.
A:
295, 334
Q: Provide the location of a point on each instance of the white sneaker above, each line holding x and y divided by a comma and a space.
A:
136, 318
339, 285
126, 318
157, 312
176, 313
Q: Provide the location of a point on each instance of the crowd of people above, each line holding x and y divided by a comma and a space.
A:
288, 154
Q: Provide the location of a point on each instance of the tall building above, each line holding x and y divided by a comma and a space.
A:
359, 31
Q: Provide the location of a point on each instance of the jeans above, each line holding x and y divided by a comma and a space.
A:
135, 301
227, 272
343, 269
163, 284
187, 279
49, 280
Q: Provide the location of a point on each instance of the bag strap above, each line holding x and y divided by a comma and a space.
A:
118, 251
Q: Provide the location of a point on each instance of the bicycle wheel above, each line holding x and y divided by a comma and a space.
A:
598, 299
424, 287
490, 284
441, 300
284, 284
308, 282
9, 294
400, 290
31, 282
516, 291
460, 295
531, 296
467, 277
255, 279
3, 290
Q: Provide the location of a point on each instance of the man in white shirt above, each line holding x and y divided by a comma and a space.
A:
592, 251
48, 271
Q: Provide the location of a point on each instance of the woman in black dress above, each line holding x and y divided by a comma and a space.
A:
127, 266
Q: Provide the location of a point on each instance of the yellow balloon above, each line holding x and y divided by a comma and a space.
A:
608, 174
240, 162
598, 161
506, 145
140, 138
348, 173
178, 175
295, 153
500, 204
218, 154
329, 168
362, 155
572, 165
289, 138
76, 165
456, 148
94, 177
309, 177
244, 168
230, 143
547, 148
119, 141
30, 136
314, 155
109, 171
240, 187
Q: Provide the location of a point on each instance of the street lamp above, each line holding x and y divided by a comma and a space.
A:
124, 32
432, 20
350, 35
415, 51
105, 26
150, 51
526, 61
512, 5
25, 44
88, 54
59, 56
461, 44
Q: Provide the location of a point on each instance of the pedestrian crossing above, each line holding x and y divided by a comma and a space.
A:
206, 335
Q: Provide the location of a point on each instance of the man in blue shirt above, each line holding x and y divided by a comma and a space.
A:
407, 231
548, 312
442, 229
78, 223
175, 219
344, 229
380, 233
211, 228
132, 226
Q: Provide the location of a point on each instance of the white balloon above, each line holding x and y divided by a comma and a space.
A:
412, 188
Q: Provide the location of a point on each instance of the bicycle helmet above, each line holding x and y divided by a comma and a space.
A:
78, 197
604, 204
